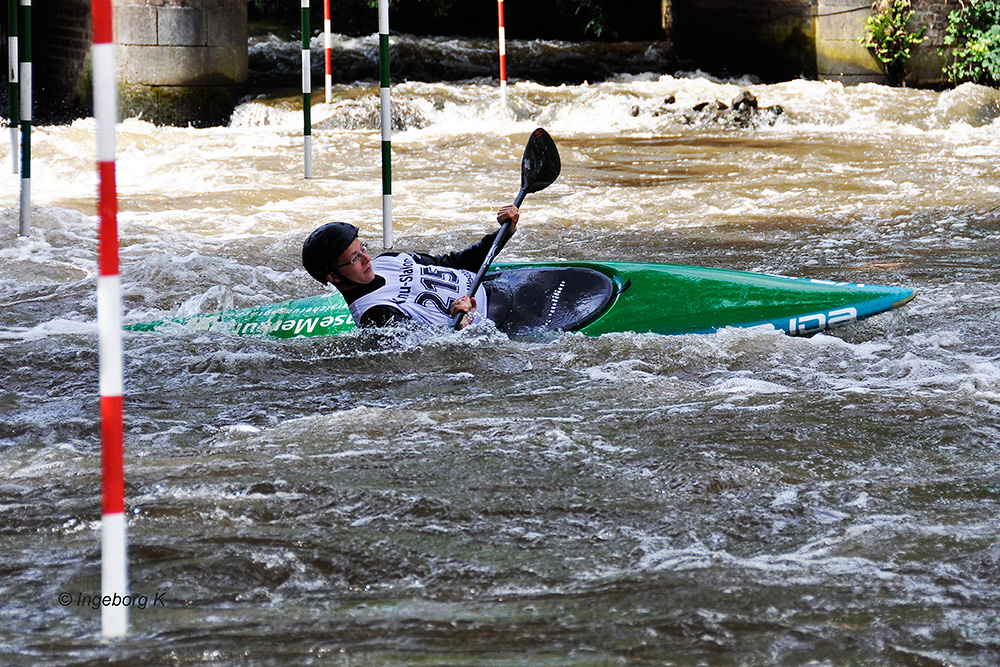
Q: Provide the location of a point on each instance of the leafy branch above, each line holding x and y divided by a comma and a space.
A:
973, 36
889, 37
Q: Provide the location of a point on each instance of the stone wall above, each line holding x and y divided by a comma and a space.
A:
781, 39
772, 38
181, 61
840, 25
925, 67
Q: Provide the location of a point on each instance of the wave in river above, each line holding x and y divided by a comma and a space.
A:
640, 103
406, 496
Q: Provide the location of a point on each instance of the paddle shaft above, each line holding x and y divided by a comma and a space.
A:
540, 167
494, 249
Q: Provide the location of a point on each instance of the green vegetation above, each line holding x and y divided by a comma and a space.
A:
973, 36
889, 38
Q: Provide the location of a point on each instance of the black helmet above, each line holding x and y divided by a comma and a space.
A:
324, 247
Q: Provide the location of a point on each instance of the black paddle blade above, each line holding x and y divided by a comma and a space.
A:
540, 165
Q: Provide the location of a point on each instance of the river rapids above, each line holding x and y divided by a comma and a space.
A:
409, 497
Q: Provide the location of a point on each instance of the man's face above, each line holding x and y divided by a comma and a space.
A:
354, 264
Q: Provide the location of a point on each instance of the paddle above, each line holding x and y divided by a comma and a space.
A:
539, 169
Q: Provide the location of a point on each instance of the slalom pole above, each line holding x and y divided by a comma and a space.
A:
114, 545
25, 86
503, 53
326, 51
13, 95
386, 105
306, 91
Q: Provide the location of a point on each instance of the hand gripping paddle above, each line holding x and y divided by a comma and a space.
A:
539, 169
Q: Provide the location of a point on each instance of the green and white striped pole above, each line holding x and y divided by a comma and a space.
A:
306, 90
13, 56
25, 85
386, 104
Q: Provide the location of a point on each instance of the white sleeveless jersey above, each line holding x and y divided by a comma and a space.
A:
424, 292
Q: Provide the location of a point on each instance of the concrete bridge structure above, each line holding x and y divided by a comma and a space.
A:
185, 61
782, 39
179, 61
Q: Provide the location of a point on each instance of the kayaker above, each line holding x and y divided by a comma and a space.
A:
395, 287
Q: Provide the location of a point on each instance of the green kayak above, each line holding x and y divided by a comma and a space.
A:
595, 298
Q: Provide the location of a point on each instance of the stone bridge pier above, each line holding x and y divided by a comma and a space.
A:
181, 61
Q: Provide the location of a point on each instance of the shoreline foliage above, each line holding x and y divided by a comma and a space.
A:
972, 43
889, 38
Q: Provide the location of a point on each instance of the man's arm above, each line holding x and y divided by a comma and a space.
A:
472, 258
469, 259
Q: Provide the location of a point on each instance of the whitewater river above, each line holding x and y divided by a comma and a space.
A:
409, 497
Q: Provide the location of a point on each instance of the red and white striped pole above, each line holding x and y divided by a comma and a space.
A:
326, 50
503, 53
114, 560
